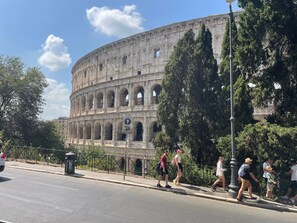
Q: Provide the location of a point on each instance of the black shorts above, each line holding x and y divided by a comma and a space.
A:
162, 173
180, 166
293, 186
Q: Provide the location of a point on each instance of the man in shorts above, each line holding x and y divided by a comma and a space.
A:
246, 176
163, 170
293, 183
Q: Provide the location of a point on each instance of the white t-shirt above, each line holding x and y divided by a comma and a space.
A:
220, 169
178, 157
265, 164
294, 173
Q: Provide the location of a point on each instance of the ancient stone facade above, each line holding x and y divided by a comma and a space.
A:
123, 79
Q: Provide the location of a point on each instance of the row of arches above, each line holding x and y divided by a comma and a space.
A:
114, 98
96, 130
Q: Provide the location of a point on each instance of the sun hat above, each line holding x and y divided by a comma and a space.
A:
248, 160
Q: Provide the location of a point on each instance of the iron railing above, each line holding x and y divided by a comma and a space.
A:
193, 174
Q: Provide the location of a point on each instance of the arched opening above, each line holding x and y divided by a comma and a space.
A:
97, 131
124, 97
156, 94
77, 105
108, 131
99, 98
122, 164
138, 132
139, 96
91, 102
75, 131
83, 103
110, 99
138, 167
81, 131
88, 131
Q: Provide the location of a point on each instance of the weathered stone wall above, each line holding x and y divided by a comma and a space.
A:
123, 79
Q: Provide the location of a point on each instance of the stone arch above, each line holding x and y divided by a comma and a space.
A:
108, 131
81, 131
75, 131
124, 97
122, 163
91, 101
138, 132
139, 95
97, 131
99, 99
138, 167
154, 129
156, 91
83, 103
78, 104
88, 131
110, 99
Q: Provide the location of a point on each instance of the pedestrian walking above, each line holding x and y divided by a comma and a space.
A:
179, 167
293, 184
163, 169
220, 174
271, 182
246, 176
266, 170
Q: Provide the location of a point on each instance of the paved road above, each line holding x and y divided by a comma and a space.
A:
31, 197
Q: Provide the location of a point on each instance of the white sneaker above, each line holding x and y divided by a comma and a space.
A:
292, 200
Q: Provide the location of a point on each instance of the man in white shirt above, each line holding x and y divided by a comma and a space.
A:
293, 183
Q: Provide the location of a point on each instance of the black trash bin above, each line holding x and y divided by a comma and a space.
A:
70, 159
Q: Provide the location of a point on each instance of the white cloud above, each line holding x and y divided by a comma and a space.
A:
54, 54
114, 22
56, 97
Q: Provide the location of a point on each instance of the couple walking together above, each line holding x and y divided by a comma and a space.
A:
163, 168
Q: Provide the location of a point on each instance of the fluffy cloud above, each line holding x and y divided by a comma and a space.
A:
56, 97
114, 22
54, 54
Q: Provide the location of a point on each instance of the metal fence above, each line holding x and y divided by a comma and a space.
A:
193, 174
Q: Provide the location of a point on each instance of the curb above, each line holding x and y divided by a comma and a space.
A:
174, 190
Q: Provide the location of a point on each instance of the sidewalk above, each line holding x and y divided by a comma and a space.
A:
149, 183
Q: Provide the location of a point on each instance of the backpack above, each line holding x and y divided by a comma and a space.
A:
158, 167
241, 172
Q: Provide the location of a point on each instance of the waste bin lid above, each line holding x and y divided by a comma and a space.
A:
70, 154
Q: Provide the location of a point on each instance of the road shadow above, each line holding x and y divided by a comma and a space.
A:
4, 179
190, 187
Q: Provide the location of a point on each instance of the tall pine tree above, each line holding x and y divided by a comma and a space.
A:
176, 72
268, 54
200, 112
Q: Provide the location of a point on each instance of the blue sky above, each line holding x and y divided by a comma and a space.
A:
54, 34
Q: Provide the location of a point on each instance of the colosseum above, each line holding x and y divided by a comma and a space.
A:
123, 80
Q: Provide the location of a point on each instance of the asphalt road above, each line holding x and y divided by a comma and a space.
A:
31, 197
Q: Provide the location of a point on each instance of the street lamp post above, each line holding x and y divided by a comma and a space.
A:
233, 187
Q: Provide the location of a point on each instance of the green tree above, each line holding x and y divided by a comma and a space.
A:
200, 112
172, 95
261, 141
267, 53
45, 135
20, 99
